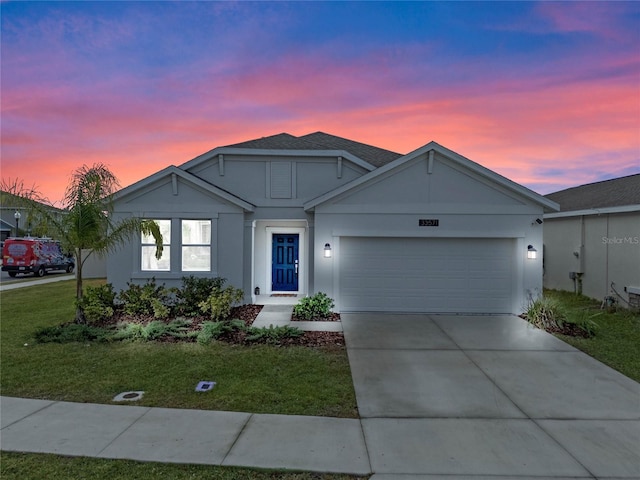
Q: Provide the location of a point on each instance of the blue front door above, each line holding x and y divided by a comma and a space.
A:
285, 263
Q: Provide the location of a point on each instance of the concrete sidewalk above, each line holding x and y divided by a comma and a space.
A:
29, 282
184, 436
440, 398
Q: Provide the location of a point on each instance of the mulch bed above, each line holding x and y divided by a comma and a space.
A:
246, 313
568, 329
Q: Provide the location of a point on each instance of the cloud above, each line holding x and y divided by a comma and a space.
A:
608, 20
135, 89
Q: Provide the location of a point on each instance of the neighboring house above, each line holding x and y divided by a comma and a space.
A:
94, 266
592, 245
5, 230
15, 216
8, 211
430, 231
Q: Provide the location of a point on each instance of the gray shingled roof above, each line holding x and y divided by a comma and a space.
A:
608, 193
281, 141
373, 155
322, 141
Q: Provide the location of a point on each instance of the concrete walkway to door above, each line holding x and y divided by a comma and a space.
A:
490, 397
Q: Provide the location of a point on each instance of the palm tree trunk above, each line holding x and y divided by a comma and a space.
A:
80, 318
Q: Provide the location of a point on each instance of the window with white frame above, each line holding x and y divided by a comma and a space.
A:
149, 260
196, 245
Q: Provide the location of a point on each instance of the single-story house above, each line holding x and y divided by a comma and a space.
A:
5, 230
429, 231
592, 245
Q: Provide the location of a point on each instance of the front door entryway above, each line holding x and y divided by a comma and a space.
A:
285, 262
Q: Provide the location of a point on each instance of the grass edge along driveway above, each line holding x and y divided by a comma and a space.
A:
616, 342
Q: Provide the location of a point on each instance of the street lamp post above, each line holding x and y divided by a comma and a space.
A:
17, 217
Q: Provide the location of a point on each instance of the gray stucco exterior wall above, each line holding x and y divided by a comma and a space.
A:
589, 251
326, 197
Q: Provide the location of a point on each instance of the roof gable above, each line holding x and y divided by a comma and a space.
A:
174, 175
461, 170
617, 192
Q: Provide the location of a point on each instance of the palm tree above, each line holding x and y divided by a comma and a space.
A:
86, 226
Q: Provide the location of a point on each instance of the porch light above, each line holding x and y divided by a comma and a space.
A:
532, 253
327, 250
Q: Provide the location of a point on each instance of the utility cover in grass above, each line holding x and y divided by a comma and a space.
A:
129, 396
205, 386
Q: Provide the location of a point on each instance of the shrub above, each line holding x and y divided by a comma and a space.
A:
316, 306
160, 310
219, 302
128, 331
272, 335
194, 291
213, 330
545, 313
147, 299
154, 330
72, 332
98, 302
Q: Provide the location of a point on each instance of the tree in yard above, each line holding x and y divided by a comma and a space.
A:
86, 227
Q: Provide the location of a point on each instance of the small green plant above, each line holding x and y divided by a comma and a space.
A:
153, 330
213, 330
72, 332
316, 306
160, 310
194, 291
147, 299
545, 313
128, 331
272, 335
98, 302
219, 302
585, 322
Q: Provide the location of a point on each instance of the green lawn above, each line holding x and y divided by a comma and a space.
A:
31, 466
258, 379
617, 339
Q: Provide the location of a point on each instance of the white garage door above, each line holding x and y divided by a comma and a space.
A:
426, 275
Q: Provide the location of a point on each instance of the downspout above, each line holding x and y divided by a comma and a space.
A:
581, 250
606, 262
254, 288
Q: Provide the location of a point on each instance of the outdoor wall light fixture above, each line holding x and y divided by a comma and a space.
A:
532, 253
327, 250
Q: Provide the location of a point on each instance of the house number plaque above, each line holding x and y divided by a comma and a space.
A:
428, 222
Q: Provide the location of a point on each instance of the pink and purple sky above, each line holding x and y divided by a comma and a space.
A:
546, 94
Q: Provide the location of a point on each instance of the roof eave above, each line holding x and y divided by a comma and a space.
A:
595, 211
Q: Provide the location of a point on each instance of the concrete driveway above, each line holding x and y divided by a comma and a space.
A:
448, 396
